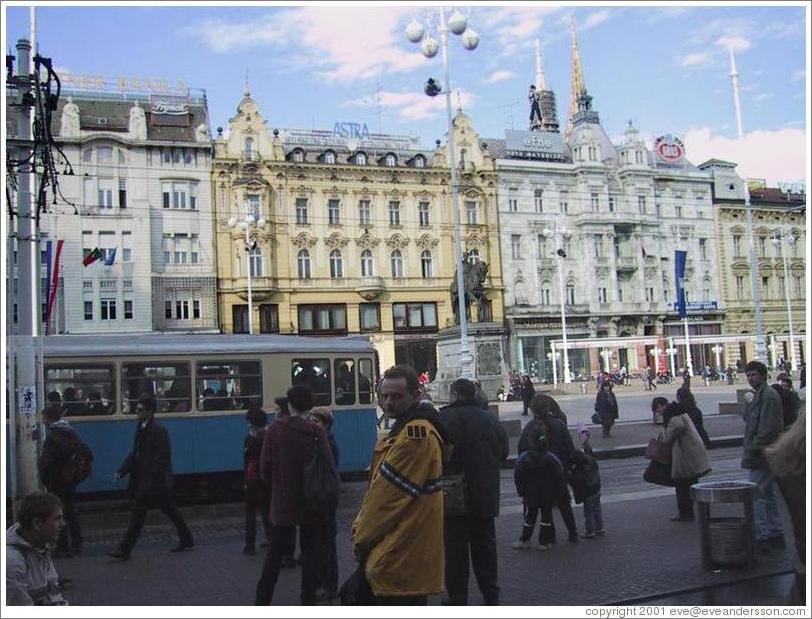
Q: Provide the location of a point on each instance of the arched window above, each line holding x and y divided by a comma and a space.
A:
329, 157
473, 256
336, 264
249, 147
303, 259
256, 262
361, 159
367, 265
545, 293
390, 161
419, 162
397, 263
426, 264
298, 156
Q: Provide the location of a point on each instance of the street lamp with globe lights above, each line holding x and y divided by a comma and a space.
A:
250, 225
784, 233
656, 352
671, 351
717, 351
565, 234
553, 358
454, 21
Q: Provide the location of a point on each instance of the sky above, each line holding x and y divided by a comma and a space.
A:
664, 67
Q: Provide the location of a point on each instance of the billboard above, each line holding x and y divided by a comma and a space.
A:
669, 149
534, 145
169, 111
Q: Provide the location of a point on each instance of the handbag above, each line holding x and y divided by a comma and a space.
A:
658, 473
658, 451
454, 500
356, 590
597, 419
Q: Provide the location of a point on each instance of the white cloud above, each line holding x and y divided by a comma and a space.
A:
413, 106
736, 43
595, 18
337, 43
667, 12
695, 59
773, 155
498, 76
799, 75
763, 96
515, 27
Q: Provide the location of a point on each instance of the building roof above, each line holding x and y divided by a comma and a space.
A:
718, 163
774, 195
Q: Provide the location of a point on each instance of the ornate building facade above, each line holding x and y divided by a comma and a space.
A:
357, 235
779, 231
595, 225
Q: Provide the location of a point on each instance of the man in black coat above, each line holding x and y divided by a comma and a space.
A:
480, 448
149, 466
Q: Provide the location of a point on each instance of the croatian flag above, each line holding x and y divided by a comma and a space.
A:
679, 265
52, 271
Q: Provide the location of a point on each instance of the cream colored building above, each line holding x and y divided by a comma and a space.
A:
358, 235
776, 214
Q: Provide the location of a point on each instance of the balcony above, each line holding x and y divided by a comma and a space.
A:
626, 263
576, 308
546, 263
370, 287
262, 288
249, 156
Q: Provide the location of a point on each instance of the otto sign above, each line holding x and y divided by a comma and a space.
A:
669, 149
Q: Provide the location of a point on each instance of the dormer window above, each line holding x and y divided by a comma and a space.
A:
360, 158
390, 160
420, 161
638, 156
329, 157
297, 156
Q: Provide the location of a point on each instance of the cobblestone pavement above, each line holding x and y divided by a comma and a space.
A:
643, 554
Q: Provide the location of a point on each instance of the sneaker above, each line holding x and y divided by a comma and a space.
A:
544, 547
119, 553
682, 518
588, 535
520, 545
600, 532
573, 538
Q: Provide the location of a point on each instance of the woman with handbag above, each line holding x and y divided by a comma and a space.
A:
606, 407
689, 458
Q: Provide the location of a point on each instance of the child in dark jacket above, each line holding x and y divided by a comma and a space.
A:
257, 496
586, 484
539, 479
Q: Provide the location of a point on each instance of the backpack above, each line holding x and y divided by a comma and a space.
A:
320, 483
79, 465
585, 477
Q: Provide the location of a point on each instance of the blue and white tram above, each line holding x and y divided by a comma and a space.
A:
202, 385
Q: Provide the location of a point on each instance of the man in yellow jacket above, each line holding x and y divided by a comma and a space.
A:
398, 532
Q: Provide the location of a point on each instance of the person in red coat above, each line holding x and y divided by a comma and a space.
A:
289, 444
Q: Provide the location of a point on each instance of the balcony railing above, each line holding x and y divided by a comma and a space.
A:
627, 263
370, 287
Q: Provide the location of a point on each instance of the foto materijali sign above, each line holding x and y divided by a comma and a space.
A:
534, 145
169, 111
669, 149
159, 86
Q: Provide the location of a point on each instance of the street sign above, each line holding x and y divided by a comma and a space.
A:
27, 399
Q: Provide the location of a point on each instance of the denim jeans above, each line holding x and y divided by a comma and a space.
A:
768, 518
593, 518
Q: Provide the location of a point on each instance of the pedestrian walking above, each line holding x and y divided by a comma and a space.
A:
280, 410
658, 405
290, 442
650, 375
786, 459
528, 391
689, 458
686, 399
31, 577
398, 533
790, 402
257, 497
59, 473
606, 408
540, 481
480, 447
327, 572
586, 484
764, 422
149, 467
560, 445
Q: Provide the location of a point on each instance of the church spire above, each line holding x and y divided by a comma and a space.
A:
577, 86
246, 90
540, 85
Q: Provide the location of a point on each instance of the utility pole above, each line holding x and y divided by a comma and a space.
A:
26, 431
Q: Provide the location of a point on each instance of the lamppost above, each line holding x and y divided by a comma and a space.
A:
565, 234
717, 350
773, 348
607, 355
457, 23
656, 352
250, 225
785, 233
671, 351
553, 358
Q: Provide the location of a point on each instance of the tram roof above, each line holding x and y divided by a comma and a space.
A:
176, 344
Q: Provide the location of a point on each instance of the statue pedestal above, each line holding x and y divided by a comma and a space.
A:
487, 344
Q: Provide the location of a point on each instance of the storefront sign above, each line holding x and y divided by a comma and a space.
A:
160, 86
534, 145
366, 141
669, 149
699, 306
169, 111
354, 131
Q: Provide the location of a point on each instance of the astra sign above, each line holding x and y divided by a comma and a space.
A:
357, 131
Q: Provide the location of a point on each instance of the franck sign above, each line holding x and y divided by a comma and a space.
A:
169, 111
534, 145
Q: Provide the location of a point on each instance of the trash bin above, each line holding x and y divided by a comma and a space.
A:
583, 389
728, 540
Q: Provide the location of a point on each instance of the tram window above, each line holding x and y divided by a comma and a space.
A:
84, 389
168, 383
316, 373
228, 385
365, 381
345, 381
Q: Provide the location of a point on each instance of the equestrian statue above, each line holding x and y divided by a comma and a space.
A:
473, 278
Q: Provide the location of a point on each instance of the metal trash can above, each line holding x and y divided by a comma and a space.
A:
729, 540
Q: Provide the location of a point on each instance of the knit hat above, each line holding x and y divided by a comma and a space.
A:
582, 431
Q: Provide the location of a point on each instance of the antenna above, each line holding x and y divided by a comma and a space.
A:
509, 113
378, 98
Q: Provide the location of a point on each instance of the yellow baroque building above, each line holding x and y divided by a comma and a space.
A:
353, 233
